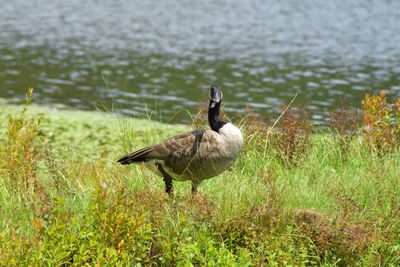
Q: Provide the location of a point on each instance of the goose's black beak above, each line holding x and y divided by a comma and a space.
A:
215, 94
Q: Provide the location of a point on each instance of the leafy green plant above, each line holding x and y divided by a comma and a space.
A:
114, 231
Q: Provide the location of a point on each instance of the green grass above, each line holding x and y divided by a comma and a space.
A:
64, 200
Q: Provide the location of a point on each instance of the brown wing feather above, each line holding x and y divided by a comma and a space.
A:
160, 151
137, 156
180, 151
191, 149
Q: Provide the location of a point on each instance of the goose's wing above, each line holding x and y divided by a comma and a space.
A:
194, 148
180, 151
137, 156
159, 151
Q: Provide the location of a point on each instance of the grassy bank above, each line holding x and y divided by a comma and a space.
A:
291, 198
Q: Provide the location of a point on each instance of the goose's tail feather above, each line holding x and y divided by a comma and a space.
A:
136, 157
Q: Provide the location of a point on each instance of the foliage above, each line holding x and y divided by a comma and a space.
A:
293, 139
64, 201
381, 123
345, 123
20, 152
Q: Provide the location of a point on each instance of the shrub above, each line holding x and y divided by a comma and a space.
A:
339, 240
112, 232
293, 137
381, 125
20, 152
125, 228
345, 123
259, 213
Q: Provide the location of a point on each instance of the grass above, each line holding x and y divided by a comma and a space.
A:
298, 198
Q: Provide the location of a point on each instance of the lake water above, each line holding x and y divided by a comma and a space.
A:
163, 55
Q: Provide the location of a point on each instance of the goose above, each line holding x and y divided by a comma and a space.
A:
196, 155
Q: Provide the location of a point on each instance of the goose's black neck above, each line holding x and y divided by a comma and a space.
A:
213, 116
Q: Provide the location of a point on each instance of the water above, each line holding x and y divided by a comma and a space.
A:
145, 55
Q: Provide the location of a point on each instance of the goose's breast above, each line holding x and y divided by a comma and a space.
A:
232, 139
217, 155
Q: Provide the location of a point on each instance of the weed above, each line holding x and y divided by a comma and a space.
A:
86, 210
200, 120
381, 127
397, 104
293, 138
113, 231
345, 123
342, 239
269, 214
20, 152
254, 126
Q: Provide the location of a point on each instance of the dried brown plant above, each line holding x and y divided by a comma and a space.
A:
293, 136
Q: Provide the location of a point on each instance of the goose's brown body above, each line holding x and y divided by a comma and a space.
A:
196, 155
193, 156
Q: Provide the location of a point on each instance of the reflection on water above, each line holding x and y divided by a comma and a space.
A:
142, 54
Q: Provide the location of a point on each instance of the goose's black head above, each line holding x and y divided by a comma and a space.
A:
214, 108
215, 95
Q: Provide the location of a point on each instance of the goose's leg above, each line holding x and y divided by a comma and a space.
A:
194, 188
169, 188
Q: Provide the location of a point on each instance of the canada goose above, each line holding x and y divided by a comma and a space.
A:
196, 155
